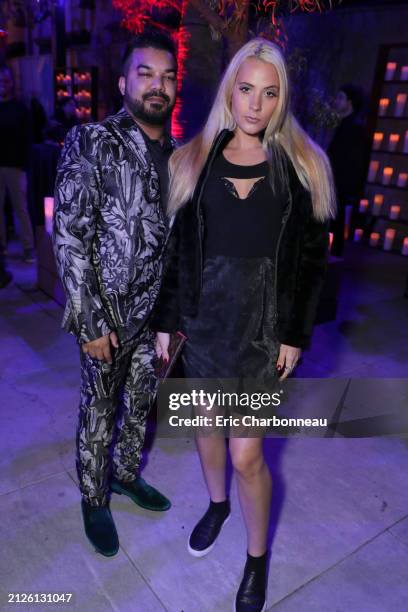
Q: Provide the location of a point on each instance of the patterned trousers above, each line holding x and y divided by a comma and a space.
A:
115, 401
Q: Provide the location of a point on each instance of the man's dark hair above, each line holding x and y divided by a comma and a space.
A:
149, 38
355, 95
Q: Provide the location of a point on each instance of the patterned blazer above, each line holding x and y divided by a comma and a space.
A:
109, 229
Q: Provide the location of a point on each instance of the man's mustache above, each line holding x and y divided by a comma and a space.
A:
156, 94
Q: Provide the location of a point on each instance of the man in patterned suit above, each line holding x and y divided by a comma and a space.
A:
110, 231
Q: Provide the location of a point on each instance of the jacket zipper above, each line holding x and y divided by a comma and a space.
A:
199, 212
275, 289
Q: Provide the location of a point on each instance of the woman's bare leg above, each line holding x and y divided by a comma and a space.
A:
213, 455
254, 489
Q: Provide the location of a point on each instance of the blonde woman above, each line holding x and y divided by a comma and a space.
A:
252, 195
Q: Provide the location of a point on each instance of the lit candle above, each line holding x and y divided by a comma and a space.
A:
404, 73
358, 235
384, 104
406, 142
395, 211
363, 208
400, 104
330, 240
372, 172
378, 139
393, 142
389, 239
402, 179
374, 239
404, 250
48, 214
390, 71
387, 175
378, 202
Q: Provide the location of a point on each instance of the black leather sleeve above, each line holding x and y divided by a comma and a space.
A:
312, 267
166, 312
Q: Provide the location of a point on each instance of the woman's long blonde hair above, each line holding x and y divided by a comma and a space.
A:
283, 134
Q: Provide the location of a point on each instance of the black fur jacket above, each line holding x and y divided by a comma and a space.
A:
301, 262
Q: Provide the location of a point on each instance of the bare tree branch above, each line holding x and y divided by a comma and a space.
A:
217, 22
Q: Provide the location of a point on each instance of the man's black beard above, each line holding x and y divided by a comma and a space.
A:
152, 116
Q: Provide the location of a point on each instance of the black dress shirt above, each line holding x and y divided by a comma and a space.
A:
160, 154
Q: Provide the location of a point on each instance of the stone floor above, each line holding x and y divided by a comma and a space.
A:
340, 511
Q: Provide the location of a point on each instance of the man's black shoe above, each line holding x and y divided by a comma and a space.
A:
142, 494
251, 596
204, 534
100, 529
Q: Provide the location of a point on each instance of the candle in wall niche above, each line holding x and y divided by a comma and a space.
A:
378, 202
383, 107
404, 73
331, 236
400, 103
402, 179
390, 71
358, 235
395, 211
363, 208
374, 239
48, 214
372, 171
387, 175
393, 141
404, 250
389, 238
378, 140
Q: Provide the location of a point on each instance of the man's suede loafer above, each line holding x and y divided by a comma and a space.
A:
142, 494
100, 529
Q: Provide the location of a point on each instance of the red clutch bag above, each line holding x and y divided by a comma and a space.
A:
164, 368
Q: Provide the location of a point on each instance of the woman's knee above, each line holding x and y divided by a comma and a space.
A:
247, 463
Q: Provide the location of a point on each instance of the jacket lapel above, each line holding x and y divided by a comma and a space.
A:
130, 133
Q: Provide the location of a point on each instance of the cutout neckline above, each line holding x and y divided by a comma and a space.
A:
232, 187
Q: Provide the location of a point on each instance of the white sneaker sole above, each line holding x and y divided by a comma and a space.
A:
202, 553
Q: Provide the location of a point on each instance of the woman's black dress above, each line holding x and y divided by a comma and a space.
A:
233, 334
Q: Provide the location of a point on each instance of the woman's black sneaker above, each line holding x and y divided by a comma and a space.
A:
204, 534
251, 596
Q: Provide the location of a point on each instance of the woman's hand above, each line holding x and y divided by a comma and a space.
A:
287, 360
162, 345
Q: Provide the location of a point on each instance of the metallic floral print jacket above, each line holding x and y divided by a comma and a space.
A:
110, 230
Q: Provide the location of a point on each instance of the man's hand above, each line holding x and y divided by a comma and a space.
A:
162, 345
101, 348
288, 358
